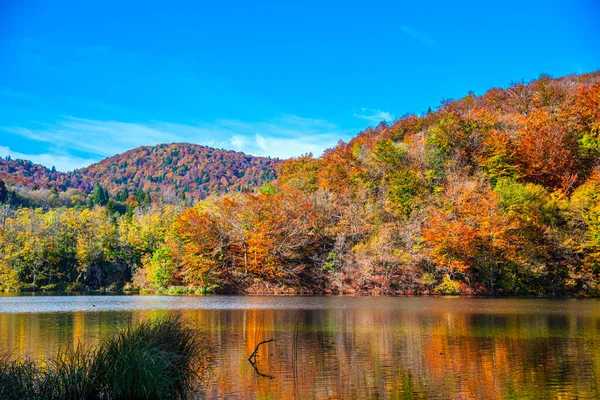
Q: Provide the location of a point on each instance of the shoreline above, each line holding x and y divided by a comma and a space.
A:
284, 294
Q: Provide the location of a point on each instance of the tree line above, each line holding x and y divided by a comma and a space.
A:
491, 194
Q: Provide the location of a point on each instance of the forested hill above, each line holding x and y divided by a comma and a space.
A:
175, 168
24, 173
181, 167
491, 194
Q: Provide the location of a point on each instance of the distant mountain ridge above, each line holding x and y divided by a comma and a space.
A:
176, 168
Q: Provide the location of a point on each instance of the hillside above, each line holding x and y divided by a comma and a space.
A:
24, 173
167, 168
491, 194
197, 170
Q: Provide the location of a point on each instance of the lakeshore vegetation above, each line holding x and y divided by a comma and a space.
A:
156, 359
497, 194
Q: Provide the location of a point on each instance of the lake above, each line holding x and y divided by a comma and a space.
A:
346, 347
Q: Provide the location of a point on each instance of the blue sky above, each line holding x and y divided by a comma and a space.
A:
83, 80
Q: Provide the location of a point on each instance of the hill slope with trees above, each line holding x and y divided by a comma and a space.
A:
195, 170
497, 194
174, 169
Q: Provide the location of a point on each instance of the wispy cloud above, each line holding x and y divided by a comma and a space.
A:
374, 115
284, 137
62, 161
421, 37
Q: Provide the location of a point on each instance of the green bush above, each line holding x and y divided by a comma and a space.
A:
331, 263
130, 287
181, 290
113, 287
54, 287
448, 286
76, 287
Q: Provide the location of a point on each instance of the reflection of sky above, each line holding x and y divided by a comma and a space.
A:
39, 304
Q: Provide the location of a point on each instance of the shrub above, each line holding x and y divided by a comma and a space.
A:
153, 360
76, 287
130, 287
448, 286
54, 287
113, 287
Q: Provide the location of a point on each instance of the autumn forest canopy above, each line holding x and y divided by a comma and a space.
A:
491, 194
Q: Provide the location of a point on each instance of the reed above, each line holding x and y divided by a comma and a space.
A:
19, 379
155, 359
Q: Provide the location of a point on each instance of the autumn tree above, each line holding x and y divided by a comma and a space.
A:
492, 193
199, 248
547, 152
468, 234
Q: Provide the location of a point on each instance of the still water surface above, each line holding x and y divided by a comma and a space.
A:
347, 347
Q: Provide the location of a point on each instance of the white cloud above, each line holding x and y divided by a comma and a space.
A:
296, 146
421, 37
62, 162
373, 115
284, 137
238, 142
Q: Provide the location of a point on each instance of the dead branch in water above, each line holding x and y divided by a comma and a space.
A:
253, 355
260, 373
252, 359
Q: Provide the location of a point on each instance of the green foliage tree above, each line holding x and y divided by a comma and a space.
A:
3, 192
100, 195
160, 268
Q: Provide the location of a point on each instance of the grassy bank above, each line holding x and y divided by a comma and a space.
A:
153, 360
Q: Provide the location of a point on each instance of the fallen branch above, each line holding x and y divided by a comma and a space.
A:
260, 373
252, 359
253, 355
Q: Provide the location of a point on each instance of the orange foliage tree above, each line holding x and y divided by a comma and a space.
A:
469, 234
237, 240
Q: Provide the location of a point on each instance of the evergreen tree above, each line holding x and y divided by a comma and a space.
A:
100, 196
54, 193
3, 192
122, 196
139, 196
111, 210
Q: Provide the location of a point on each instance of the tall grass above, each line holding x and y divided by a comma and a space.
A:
19, 380
152, 360
69, 376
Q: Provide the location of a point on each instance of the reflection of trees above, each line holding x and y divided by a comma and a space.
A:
362, 353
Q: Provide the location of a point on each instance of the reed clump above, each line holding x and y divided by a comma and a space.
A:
155, 359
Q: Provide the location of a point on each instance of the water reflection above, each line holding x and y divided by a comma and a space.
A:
437, 348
